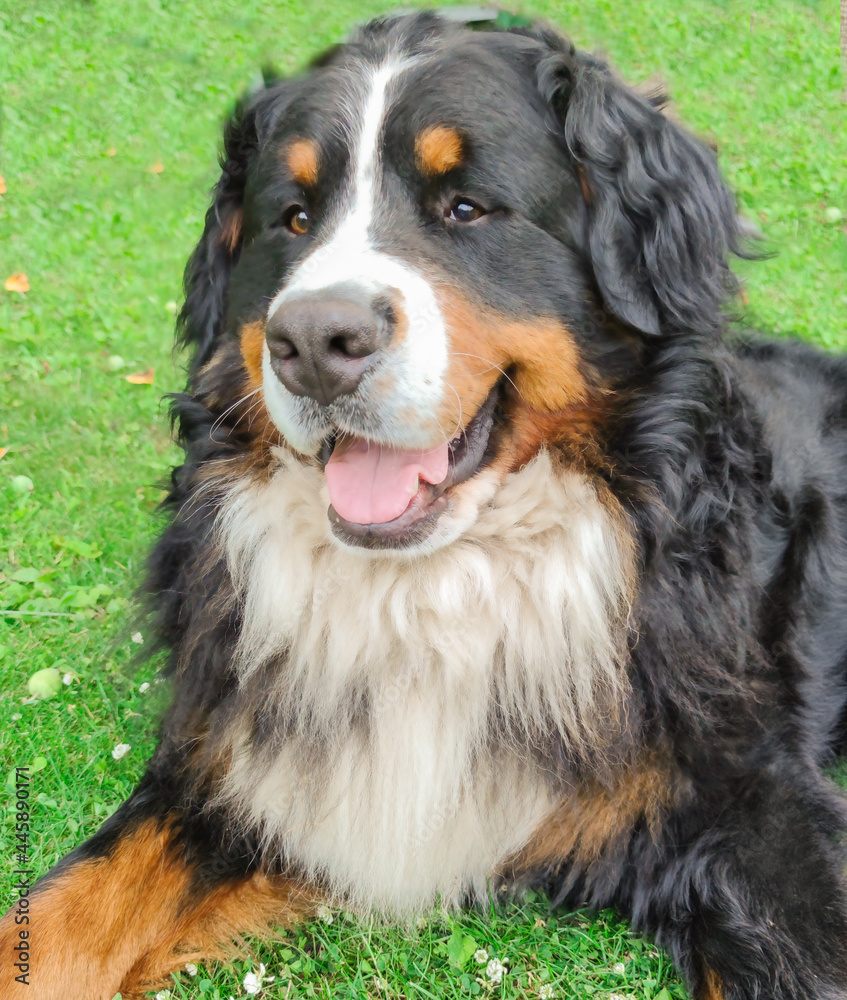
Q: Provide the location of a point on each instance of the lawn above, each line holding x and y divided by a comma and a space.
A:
110, 126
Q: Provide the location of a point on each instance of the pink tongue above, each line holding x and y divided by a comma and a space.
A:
371, 483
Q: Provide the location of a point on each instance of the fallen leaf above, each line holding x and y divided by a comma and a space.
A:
111, 151
4, 451
17, 283
2, 186
141, 378
156, 168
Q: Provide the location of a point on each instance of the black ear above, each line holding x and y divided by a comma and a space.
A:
206, 281
661, 222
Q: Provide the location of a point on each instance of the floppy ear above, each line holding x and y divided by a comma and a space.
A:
661, 222
206, 281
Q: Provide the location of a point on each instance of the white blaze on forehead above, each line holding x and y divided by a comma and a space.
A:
339, 259
419, 363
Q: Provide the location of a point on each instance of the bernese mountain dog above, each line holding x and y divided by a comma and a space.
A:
494, 561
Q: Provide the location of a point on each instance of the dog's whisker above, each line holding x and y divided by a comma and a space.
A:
229, 409
187, 507
492, 367
254, 408
459, 421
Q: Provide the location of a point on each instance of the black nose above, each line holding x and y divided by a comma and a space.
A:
322, 347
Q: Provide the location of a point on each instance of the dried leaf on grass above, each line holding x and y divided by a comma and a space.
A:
17, 283
141, 378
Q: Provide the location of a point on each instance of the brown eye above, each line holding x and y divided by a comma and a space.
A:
296, 220
464, 210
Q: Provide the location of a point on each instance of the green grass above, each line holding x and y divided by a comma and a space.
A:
96, 94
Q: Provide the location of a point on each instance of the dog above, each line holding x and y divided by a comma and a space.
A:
497, 559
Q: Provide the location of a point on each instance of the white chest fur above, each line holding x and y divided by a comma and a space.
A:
410, 686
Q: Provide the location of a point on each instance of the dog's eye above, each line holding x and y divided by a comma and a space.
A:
463, 210
296, 220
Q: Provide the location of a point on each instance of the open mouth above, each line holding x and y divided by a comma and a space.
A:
383, 497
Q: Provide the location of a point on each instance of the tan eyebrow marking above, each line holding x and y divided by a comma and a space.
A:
438, 149
302, 159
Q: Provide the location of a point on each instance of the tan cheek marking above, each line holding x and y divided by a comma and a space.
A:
548, 375
258, 420
252, 350
237, 402
541, 352
437, 150
303, 160
576, 432
232, 228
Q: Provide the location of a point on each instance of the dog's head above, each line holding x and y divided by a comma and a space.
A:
440, 250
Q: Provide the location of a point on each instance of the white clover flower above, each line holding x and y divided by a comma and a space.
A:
619, 968
138, 638
163, 994
17, 717
253, 980
191, 968
325, 914
121, 750
495, 970
546, 992
68, 679
481, 956
143, 687
616, 996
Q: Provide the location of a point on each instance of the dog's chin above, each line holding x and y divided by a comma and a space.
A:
436, 514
